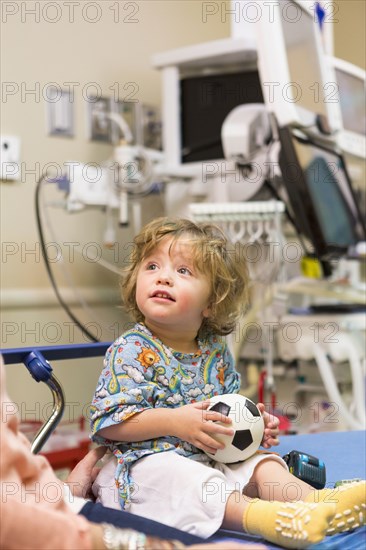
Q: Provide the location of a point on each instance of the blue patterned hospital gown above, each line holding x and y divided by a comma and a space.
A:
140, 373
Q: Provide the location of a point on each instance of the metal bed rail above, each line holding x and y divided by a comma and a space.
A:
36, 361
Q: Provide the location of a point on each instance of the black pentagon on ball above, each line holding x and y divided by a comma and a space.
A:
253, 409
221, 408
242, 439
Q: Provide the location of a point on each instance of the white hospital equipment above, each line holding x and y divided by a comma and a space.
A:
133, 170
311, 104
333, 340
319, 190
258, 226
245, 130
351, 84
299, 84
201, 85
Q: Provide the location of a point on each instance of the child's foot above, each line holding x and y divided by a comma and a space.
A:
350, 502
289, 524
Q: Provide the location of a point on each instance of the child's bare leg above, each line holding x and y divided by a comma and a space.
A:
289, 524
271, 481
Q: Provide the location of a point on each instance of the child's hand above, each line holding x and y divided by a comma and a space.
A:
271, 430
195, 424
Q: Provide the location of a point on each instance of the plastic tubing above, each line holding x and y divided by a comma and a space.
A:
330, 385
358, 380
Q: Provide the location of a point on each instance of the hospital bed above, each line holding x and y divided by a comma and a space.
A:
344, 453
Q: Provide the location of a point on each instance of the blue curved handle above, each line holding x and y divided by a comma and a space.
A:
38, 366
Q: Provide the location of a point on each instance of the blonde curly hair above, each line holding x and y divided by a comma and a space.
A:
212, 254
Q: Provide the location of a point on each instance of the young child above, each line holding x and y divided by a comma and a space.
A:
186, 288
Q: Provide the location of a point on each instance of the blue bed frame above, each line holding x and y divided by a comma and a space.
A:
344, 453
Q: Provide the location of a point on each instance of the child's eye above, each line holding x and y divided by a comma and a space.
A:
151, 267
184, 271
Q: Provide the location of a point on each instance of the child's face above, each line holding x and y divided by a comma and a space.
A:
170, 291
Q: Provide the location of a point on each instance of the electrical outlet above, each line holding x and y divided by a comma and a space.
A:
9, 158
100, 128
60, 116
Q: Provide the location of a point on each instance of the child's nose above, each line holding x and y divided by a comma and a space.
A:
164, 279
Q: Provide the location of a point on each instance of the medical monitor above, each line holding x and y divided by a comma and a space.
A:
320, 195
298, 83
351, 86
205, 102
200, 85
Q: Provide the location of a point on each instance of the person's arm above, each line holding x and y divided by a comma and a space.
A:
192, 423
31, 526
81, 478
24, 527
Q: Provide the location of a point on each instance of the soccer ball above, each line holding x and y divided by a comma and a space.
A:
247, 422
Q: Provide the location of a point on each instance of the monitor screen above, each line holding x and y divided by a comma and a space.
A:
205, 103
326, 181
320, 194
303, 63
352, 100
298, 82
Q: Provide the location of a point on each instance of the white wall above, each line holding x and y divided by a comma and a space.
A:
349, 31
